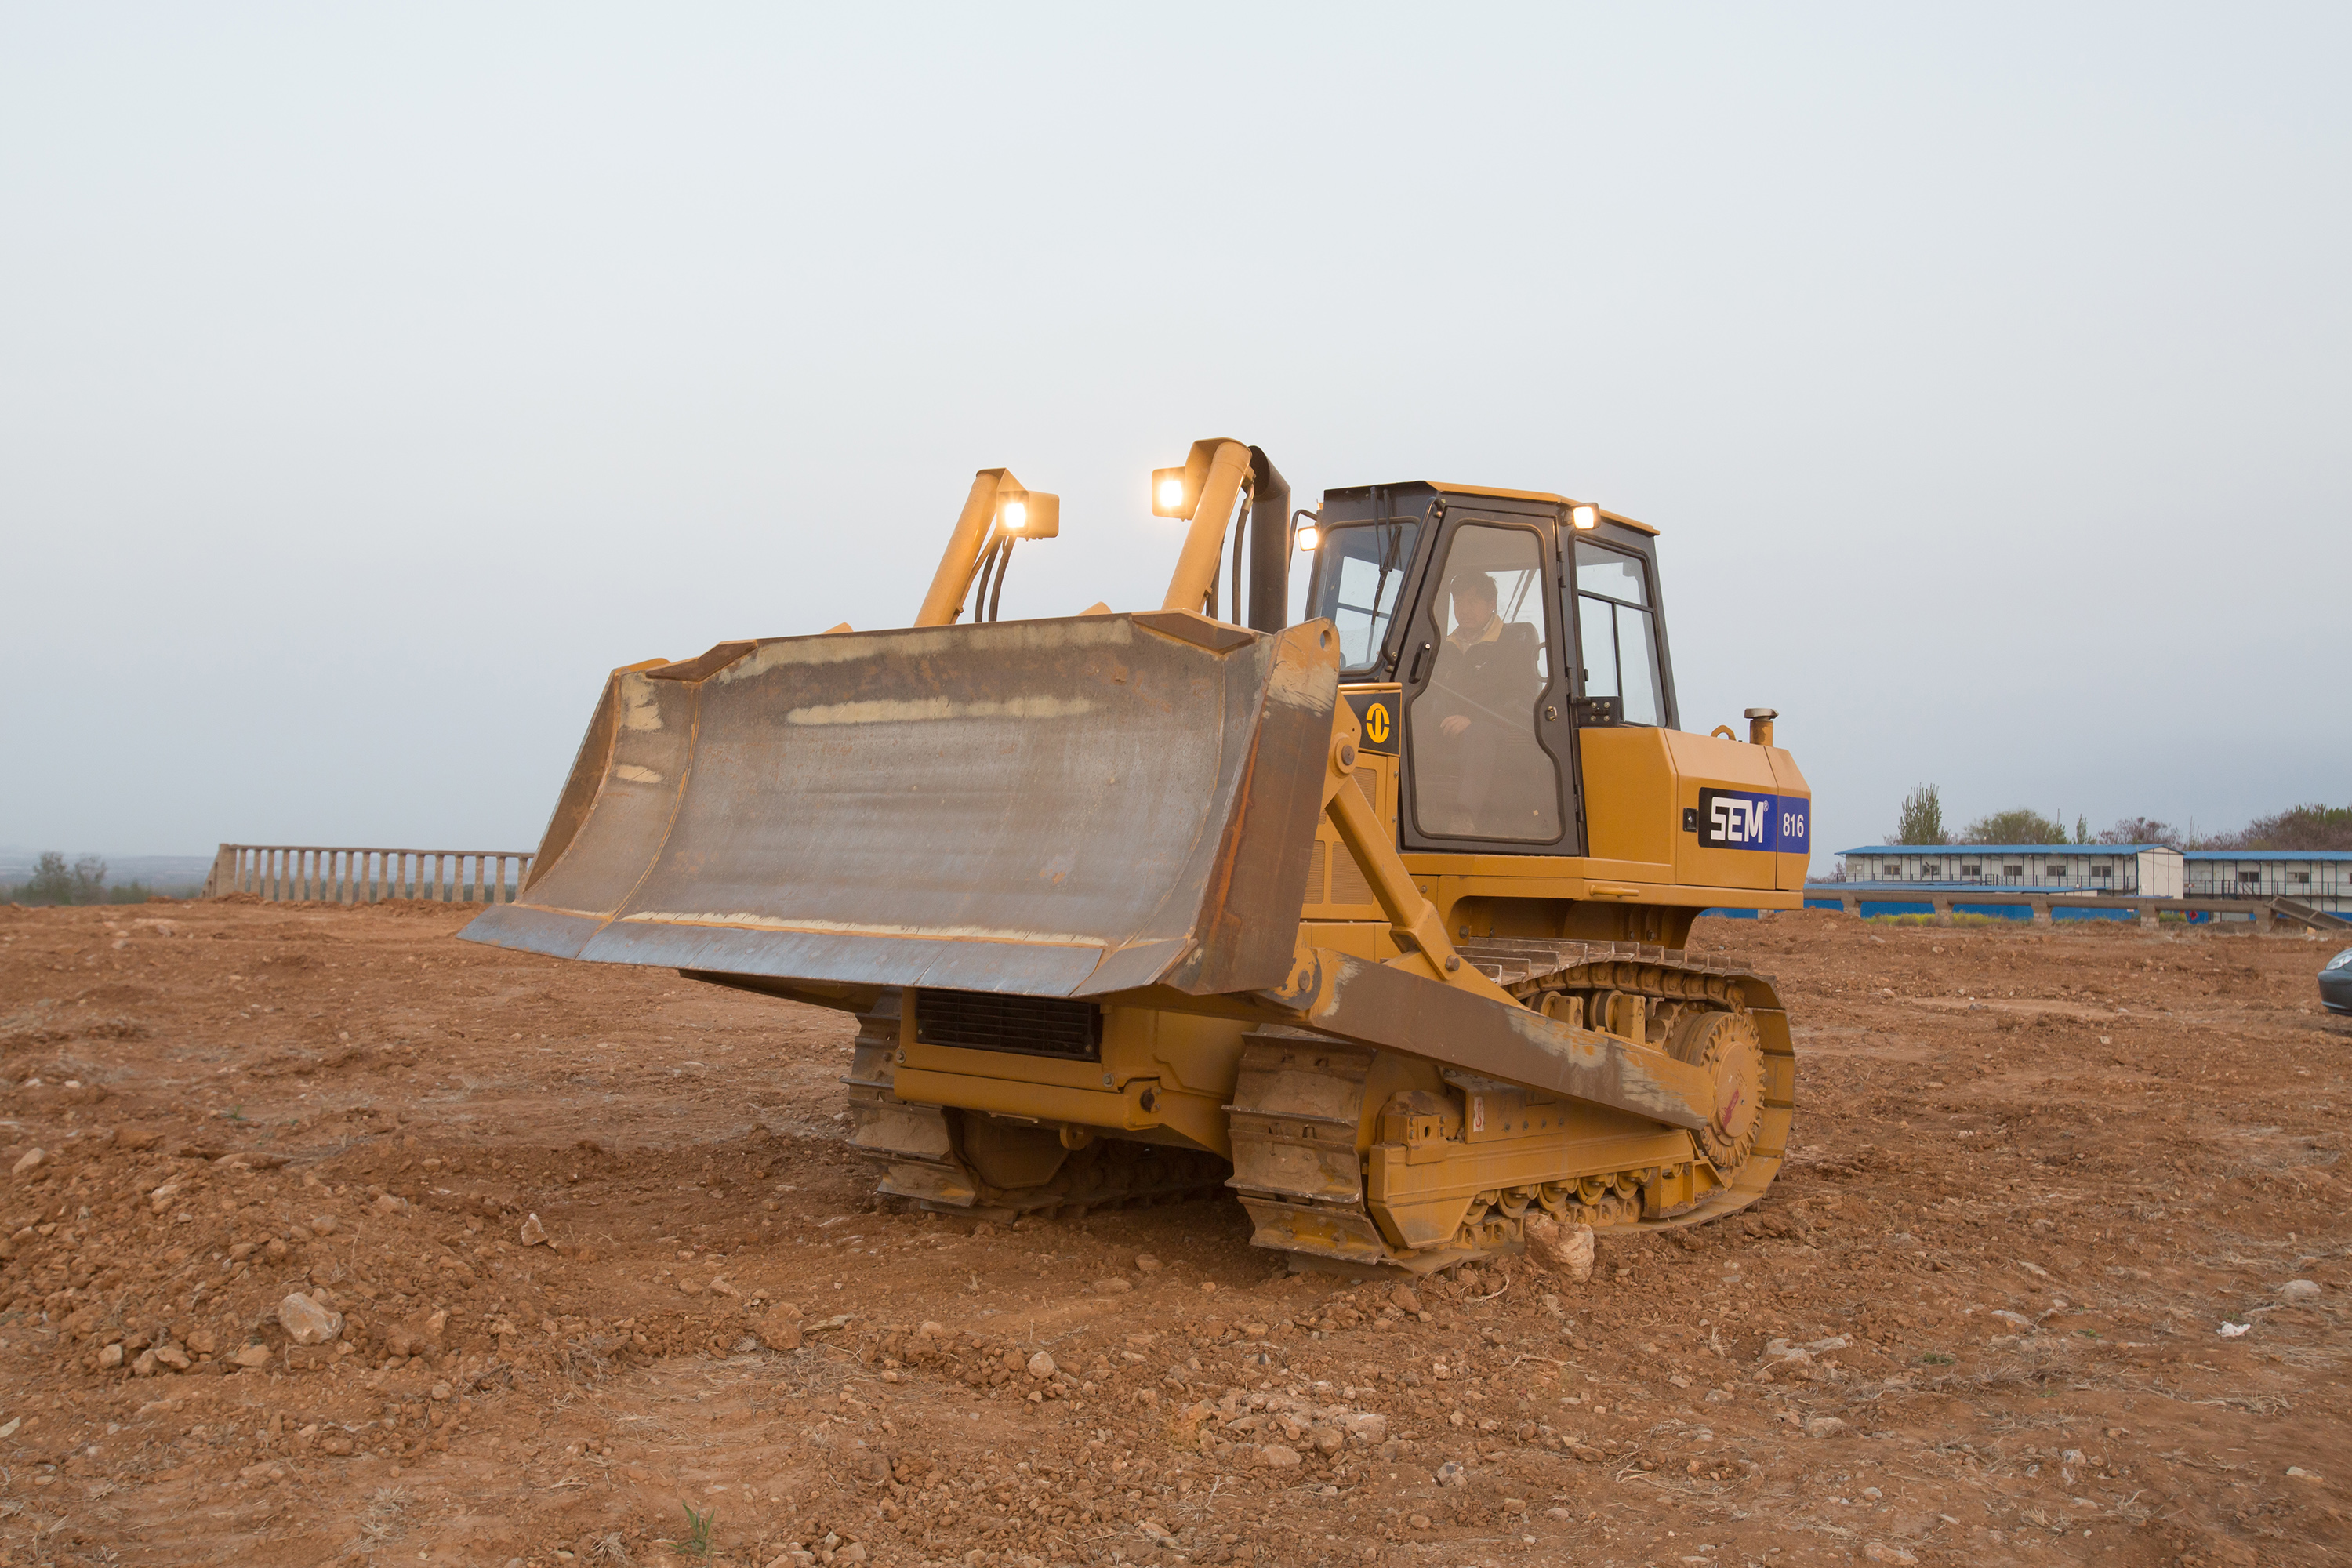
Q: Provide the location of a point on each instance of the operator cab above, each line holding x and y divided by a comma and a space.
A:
1471, 600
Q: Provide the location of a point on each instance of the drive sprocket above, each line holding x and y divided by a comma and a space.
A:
1729, 1050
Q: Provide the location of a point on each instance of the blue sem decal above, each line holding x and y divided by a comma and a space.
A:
1738, 819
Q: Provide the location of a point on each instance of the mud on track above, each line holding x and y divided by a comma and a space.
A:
2035, 1173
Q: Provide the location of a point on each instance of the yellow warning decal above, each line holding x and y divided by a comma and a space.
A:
1377, 715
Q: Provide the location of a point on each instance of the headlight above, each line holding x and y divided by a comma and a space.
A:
1586, 516
1029, 514
1309, 537
2341, 961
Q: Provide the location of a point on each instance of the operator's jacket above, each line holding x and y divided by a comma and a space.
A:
1490, 680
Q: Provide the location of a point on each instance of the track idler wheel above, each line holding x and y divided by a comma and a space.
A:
1727, 1047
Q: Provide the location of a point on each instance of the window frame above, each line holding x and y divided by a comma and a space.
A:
1615, 536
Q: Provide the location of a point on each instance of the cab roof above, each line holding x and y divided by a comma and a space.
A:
1501, 494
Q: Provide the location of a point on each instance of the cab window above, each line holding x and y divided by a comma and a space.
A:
1617, 630
1360, 571
1478, 770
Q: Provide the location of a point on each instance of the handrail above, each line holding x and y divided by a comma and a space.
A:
357, 873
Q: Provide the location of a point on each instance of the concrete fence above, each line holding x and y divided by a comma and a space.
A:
351, 875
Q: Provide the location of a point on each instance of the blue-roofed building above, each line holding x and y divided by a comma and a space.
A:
2135, 870
2320, 878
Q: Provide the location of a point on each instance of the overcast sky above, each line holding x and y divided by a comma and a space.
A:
372, 380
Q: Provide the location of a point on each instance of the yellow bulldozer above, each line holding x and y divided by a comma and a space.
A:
1378, 920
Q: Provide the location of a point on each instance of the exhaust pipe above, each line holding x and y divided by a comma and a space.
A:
1269, 545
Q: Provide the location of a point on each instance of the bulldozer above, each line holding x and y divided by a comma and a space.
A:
1377, 920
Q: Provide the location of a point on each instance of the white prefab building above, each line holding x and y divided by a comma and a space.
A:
2322, 879
2141, 870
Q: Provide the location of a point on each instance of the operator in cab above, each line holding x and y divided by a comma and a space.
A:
1484, 682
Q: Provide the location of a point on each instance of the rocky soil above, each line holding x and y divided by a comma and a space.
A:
328, 1237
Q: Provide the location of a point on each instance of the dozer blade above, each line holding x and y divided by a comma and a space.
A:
1059, 808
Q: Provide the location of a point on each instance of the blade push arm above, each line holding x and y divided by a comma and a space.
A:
1466, 1019
1413, 919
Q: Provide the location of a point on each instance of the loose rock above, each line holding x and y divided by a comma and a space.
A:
29, 1161
252, 1356
2299, 1289
1563, 1249
779, 1327
1041, 1365
1824, 1427
307, 1323
533, 1233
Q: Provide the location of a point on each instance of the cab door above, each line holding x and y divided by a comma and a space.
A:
1489, 747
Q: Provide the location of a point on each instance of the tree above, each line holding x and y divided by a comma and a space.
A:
51, 882
54, 882
2022, 826
2143, 830
2299, 828
1922, 821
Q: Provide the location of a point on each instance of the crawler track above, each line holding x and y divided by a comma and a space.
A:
1310, 1114
1349, 1156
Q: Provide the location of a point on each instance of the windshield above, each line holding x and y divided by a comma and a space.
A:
1360, 571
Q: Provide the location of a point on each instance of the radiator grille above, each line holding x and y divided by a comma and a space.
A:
1347, 884
1027, 1025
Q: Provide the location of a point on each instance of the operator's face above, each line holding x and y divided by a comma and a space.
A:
1472, 610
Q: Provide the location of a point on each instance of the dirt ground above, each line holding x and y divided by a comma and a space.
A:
1980, 1318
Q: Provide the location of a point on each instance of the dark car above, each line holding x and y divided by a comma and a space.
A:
2336, 983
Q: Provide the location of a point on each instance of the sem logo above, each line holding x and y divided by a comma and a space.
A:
1738, 819
1376, 723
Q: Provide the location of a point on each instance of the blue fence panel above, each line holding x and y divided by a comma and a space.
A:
1734, 914
1995, 911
